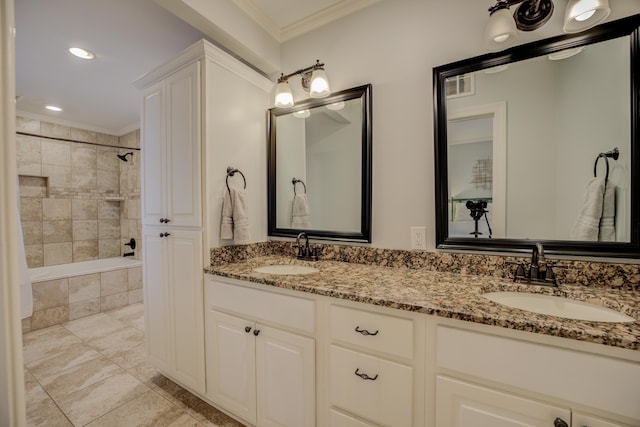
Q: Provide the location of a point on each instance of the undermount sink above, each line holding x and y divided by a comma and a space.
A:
558, 306
286, 269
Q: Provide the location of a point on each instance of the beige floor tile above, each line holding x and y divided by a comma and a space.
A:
40, 409
88, 404
47, 343
148, 409
185, 420
80, 377
94, 327
202, 412
129, 314
45, 369
118, 343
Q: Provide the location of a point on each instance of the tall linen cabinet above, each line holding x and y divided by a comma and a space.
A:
202, 111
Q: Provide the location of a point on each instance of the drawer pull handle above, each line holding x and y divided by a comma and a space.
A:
365, 332
365, 376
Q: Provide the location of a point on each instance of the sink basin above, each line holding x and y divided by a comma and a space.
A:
286, 269
558, 306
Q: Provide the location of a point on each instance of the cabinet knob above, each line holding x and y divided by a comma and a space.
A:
165, 234
164, 220
365, 332
559, 422
247, 329
161, 220
256, 332
367, 377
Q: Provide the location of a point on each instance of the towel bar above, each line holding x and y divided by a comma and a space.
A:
231, 172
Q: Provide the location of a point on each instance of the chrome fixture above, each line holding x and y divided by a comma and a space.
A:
501, 30
123, 157
540, 271
314, 80
306, 252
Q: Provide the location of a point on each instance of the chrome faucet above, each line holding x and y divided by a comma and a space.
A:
306, 252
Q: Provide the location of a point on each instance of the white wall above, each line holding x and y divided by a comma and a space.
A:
394, 45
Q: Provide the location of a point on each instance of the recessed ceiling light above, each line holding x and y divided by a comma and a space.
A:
302, 114
564, 54
81, 53
336, 106
53, 108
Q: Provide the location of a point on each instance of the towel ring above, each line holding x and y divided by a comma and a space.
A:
614, 154
294, 181
231, 172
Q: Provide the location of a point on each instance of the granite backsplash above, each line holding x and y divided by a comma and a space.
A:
588, 273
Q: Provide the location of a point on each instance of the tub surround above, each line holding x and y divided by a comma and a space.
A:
452, 294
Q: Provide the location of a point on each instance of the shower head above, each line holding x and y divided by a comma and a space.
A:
123, 157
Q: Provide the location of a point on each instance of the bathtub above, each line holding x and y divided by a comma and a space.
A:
53, 272
70, 291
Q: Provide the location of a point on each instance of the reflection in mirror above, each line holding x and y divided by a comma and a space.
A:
319, 167
523, 135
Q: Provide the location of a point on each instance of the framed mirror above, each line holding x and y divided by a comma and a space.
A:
540, 143
319, 166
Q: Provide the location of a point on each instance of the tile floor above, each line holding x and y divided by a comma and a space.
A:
92, 372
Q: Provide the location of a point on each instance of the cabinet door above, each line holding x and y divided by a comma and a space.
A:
461, 404
285, 366
231, 378
152, 152
183, 147
581, 420
156, 296
186, 296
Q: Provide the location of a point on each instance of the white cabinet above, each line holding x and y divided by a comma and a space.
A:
261, 373
374, 367
171, 150
582, 420
461, 404
173, 281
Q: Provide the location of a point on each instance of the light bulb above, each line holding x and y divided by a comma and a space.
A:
319, 87
284, 97
585, 16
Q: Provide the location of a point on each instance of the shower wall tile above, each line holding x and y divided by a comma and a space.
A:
109, 248
135, 296
29, 169
82, 288
109, 229
56, 152
49, 317
56, 209
84, 209
56, 231
108, 159
33, 186
49, 294
108, 210
35, 257
108, 181
30, 209
26, 325
113, 282
85, 229
130, 140
28, 149
134, 278
59, 176
55, 131
84, 179
27, 125
57, 253
109, 302
83, 135
32, 232
84, 156
85, 250
104, 139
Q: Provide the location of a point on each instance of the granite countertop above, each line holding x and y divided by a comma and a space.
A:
451, 295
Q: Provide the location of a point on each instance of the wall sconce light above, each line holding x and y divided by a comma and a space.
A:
314, 80
580, 15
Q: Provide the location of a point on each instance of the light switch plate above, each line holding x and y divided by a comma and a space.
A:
418, 238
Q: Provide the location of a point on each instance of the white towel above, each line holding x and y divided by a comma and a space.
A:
241, 234
587, 226
226, 226
301, 213
607, 229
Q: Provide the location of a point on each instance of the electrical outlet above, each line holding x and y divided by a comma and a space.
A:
418, 238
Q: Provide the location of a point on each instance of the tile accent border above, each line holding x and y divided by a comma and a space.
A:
586, 273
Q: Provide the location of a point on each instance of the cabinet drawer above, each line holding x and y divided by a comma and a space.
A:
373, 331
268, 307
338, 419
385, 400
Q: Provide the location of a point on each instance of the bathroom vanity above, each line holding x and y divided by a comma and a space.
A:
364, 345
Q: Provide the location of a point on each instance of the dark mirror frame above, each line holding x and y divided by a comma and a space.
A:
364, 235
629, 26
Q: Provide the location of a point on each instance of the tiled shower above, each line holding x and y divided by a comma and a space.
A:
78, 201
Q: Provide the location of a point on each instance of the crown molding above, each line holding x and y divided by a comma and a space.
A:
250, 8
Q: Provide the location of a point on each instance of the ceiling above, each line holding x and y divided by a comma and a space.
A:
129, 38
